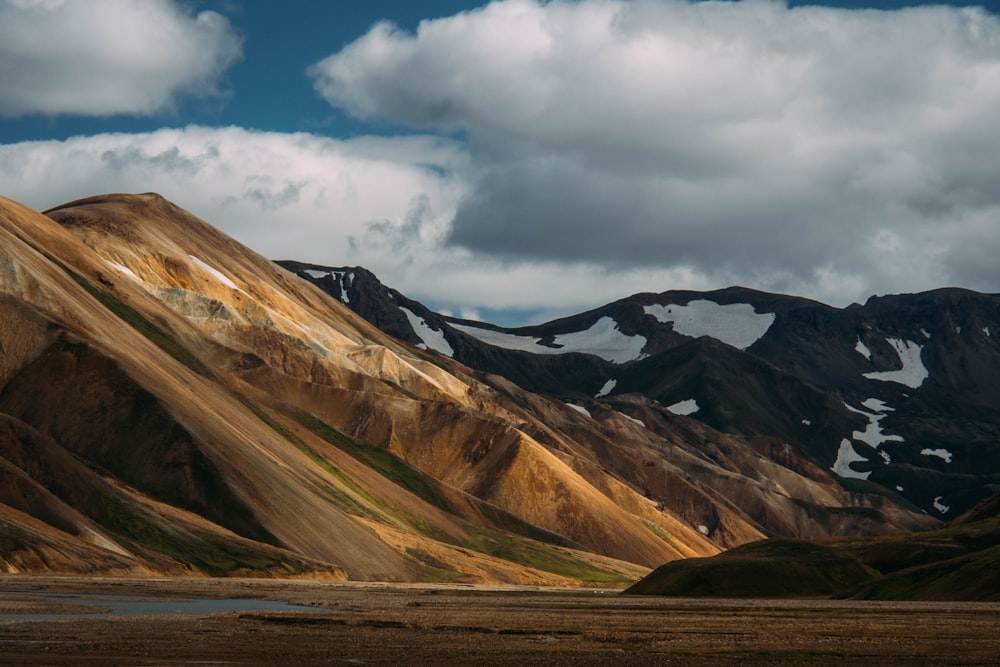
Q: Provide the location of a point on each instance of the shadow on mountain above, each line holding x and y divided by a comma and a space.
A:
959, 562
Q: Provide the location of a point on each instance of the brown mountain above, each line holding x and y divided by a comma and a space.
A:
171, 401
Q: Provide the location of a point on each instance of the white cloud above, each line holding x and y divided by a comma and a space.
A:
284, 195
592, 150
104, 57
382, 203
825, 152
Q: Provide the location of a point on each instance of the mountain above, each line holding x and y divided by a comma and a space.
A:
172, 402
899, 396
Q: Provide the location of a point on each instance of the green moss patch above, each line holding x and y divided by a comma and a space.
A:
771, 568
539, 556
212, 554
380, 460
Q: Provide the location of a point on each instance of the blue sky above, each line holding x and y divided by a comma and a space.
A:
524, 160
267, 88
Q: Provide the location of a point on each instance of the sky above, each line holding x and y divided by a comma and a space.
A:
521, 160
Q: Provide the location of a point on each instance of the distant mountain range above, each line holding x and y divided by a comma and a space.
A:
173, 403
899, 396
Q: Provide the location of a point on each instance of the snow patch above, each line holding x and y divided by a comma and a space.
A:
688, 407
215, 273
806, 422
940, 506
899, 488
431, 338
579, 408
347, 282
873, 435
845, 456
124, 269
603, 339
942, 454
912, 374
607, 388
925, 333
736, 324
986, 330
318, 275
703, 529
877, 405
958, 330
633, 419
863, 350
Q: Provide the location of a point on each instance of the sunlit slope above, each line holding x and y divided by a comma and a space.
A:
233, 418
624, 380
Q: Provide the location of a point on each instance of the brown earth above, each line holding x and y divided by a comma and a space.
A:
437, 625
173, 403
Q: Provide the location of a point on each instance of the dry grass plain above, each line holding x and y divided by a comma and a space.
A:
387, 624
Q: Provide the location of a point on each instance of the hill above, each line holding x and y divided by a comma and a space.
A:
958, 562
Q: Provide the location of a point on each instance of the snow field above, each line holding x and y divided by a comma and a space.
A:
124, 269
603, 339
942, 454
688, 407
633, 419
339, 275
432, 338
872, 436
845, 456
606, 389
912, 374
215, 273
736, 324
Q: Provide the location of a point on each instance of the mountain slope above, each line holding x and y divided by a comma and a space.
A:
224, 407
899, 396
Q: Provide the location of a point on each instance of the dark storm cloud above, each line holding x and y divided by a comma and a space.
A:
820, 149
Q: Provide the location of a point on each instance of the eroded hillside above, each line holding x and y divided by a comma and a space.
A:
173, 402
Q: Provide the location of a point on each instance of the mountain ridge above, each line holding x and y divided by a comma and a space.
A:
905, 388
235, 419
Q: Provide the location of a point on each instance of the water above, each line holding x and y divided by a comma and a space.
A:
136, 605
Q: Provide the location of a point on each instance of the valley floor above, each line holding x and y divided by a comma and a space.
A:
382, 624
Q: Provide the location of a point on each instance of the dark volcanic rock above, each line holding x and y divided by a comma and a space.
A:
909, 383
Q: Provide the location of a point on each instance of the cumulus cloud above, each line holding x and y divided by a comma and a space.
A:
296, 196
827, 152
382, 203
104, 57
567, 154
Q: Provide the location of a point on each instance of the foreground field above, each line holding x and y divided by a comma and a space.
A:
433, 625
